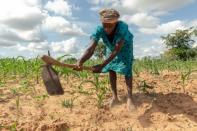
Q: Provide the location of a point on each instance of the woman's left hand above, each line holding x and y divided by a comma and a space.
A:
97, 68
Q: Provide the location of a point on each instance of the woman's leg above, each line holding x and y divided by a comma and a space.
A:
129, 84
113, 79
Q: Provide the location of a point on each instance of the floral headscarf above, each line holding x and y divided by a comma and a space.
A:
109, 15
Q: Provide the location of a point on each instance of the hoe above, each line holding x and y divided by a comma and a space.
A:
50, 75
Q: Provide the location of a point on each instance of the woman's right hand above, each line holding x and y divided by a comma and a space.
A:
78, 66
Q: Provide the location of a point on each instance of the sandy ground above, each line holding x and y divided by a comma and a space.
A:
166, 108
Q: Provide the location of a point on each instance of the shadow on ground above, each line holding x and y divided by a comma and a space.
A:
170, 104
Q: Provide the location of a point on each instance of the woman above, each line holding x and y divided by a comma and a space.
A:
119, 51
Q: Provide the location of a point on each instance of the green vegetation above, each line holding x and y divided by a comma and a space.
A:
99, 88
40, 97
180, 44
68, 103
27, 73
143, 86
100, 51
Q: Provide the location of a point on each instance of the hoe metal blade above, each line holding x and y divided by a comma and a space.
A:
51, 80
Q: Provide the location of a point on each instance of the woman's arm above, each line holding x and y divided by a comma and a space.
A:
118, 46
88, 53
117, 49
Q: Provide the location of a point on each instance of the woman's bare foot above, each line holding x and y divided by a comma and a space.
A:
113, 102
130, 105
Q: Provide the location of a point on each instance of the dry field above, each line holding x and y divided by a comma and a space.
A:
165, 102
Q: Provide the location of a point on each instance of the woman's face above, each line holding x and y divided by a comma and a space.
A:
109, 27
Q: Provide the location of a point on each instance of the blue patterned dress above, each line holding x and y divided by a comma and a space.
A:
122, 63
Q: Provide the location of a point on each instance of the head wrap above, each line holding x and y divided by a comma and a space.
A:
109, 15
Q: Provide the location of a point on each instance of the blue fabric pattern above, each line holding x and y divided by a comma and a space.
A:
122, 63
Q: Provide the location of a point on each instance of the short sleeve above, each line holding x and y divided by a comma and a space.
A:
96, 35
123, 33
